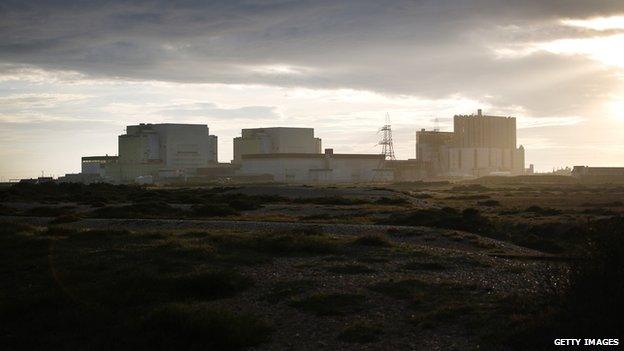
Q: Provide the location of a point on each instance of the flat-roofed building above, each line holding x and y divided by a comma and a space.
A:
276, 140
599, 174
96, 164
317, 168
479, 145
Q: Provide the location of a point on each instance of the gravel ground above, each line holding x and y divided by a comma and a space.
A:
465, 264
432, 237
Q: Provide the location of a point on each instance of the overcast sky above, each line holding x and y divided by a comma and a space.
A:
74, 73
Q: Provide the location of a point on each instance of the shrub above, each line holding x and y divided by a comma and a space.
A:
138, 210
214, 210
331, 200
210, 285
44, 211
540, 211
392, 201
285, 289
469, 219
330, 304
361, 332
591, 304
350, 269
199, 327
489, 203
65, 219
372, 240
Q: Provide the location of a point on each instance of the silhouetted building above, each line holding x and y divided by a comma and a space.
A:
317, 168
479, 145
276, 140
599, 174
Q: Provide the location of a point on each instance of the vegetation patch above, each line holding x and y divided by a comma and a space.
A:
196, 326
286, 289
392, 201
210, 285
350, 269
424, 266
469, 219
372, 240
334, 304
361, 332
541, 211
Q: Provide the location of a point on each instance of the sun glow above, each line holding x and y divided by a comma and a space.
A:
608, 50
597, 23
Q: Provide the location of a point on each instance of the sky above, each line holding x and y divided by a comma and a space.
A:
74, 73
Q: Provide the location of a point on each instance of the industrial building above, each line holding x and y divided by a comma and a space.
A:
153, 151
276, 140
479, 145
599, 174
96, 165
317, 168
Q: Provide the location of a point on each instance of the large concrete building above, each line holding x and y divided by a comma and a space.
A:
316, 167
478, 146
162, 149
277, 140
599, 174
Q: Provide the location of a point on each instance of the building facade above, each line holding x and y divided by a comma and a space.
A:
479, 145
277, 140
317, 168
162, 149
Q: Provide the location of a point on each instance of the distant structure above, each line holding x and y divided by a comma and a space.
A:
479, 145
599, 174
316, 168
387, 145
152, 151
276, 140
96, 165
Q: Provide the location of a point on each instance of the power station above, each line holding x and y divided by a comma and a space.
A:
479, 145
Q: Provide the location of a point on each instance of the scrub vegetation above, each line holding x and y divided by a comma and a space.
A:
495, 265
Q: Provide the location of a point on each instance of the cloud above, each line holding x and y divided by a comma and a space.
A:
334, 65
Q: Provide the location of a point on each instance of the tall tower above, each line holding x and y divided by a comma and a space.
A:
387, 147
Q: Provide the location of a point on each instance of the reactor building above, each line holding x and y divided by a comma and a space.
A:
479, 145
293, 155
155, 151
275, 140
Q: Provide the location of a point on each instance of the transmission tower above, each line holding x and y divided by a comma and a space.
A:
387, 147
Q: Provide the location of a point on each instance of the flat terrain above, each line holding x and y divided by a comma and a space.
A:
406, 266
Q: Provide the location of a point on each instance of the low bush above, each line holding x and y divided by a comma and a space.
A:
372, 240
392, 201
138, 210
199, 327
210, 285
214, 210
331, 200
330, 304
46, 211
469, 219
488, 203
361, 332
350, 269
590, 304
541, 211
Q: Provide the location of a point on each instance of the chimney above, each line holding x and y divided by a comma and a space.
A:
479, 112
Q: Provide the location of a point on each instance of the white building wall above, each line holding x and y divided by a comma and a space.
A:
316, 169
275, 140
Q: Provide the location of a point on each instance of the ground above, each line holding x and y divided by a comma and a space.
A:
419, 266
